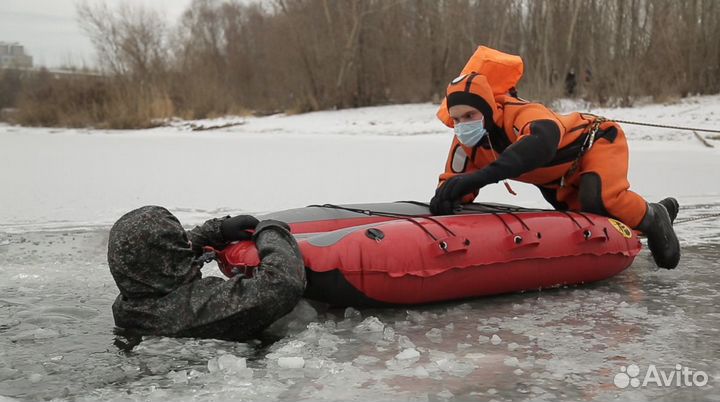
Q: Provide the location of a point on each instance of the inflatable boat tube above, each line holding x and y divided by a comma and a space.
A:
396, 253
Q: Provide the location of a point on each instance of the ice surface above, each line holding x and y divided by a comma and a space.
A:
62, 189
39, 333
560, 342
94, 186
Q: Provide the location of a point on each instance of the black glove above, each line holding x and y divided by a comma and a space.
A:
236, 228
442, 207
458, 186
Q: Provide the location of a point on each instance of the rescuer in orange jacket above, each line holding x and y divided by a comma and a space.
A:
578, 161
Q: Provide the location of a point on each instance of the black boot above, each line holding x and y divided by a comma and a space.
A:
672, 206
662, 241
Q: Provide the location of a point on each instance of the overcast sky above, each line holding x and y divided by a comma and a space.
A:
49, 30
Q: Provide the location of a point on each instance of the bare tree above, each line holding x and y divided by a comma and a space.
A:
128, 40
233, 56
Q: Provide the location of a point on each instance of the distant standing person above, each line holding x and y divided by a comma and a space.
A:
156, 265
570, 83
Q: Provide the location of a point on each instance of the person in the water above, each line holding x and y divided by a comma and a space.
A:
156, 265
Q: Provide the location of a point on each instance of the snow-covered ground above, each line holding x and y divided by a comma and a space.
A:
61, 189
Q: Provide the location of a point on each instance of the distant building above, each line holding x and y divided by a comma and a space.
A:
13, 55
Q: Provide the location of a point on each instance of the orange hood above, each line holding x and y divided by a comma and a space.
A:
473, 90
496, 73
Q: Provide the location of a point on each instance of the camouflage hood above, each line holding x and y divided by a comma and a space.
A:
149, 253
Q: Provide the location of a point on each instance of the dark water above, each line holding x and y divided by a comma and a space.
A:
57, 341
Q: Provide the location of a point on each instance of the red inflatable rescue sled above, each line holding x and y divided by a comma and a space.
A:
396, 253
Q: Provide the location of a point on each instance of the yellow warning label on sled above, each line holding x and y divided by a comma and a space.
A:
621, 227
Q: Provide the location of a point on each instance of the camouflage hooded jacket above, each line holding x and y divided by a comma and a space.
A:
156, 265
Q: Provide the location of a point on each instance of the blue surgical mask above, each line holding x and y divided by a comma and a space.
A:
470, 133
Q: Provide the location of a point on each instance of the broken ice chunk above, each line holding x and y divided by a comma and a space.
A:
227, 363
292, 347
409, 353
435, 335
35, 378
230, 363
351, 313
389, 334
511, 361
453, 366
365, 360
370, 324
212, 365
415, 316
405, 342
178, 377
420, 372
291, 362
